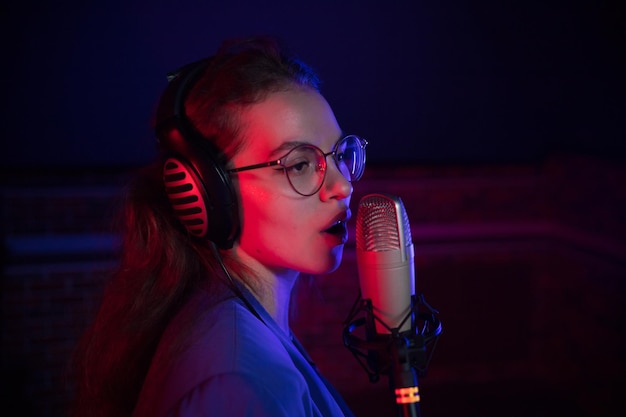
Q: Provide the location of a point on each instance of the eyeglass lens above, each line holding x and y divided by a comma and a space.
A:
305, 165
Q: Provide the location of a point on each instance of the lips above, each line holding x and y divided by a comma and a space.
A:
338, 227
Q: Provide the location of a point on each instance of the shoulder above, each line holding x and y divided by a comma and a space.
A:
209, 352
235, 394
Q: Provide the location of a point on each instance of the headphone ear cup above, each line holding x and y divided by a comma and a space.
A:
203, 199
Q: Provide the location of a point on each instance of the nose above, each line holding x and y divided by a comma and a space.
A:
335, 186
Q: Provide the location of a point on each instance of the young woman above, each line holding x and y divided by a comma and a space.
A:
252, 189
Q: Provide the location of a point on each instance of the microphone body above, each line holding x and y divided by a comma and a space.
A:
385, 260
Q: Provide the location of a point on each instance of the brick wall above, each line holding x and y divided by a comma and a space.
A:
527, 265
57, 252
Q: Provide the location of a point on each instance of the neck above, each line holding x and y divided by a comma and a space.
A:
270, 287
277, 298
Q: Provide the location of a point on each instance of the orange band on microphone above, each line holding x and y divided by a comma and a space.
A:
407, 395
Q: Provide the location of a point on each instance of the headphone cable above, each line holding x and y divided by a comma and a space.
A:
232, 284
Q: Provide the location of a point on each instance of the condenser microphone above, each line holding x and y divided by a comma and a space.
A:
400, 328
385, 254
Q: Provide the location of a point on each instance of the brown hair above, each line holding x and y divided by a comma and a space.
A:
161, 265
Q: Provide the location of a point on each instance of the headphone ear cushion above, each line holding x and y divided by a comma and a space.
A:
203, 198
220, 200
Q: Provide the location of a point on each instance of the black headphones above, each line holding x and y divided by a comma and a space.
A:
198, 187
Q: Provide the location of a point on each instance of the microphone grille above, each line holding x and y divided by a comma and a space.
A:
382, 224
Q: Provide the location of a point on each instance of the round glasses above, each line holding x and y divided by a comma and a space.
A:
305, 165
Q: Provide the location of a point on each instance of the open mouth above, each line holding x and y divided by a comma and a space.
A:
338, 229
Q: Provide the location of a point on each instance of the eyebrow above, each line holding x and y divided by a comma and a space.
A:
287, 146
284, 148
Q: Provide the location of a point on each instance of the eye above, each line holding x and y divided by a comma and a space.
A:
300, 167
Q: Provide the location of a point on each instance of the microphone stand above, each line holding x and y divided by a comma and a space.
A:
403, 356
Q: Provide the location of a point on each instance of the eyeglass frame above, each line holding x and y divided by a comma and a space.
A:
362, 142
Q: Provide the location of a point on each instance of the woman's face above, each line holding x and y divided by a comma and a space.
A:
281, 229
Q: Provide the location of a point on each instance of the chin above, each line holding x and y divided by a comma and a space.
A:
323, 264
334, 260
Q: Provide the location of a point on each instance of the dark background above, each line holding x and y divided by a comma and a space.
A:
422, 81
500, 124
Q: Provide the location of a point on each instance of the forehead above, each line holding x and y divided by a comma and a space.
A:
297, 115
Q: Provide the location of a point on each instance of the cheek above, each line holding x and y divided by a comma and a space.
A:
263, 216
275, 225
